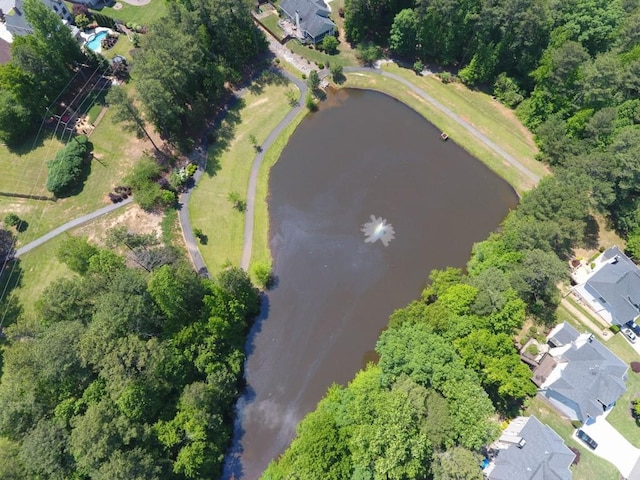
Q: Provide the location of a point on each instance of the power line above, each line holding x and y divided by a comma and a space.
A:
40, 170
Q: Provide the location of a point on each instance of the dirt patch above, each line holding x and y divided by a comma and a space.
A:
259, 102
133, 217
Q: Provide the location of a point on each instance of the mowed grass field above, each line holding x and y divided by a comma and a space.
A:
257, 113
495, 121
114, 152
142, 15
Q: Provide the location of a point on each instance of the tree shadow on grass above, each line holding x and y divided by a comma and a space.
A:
591, 233
268, 77
223, 135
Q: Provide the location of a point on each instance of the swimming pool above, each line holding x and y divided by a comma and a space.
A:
94, 42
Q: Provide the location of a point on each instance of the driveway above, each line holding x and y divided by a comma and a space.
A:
612, 446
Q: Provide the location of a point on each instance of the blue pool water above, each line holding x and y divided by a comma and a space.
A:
94, 42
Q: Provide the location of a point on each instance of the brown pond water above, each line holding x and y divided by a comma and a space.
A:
362, 154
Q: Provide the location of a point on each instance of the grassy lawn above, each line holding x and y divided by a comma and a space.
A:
24, 170
590, 467
261, 252
271, 23
34, 272
114, 153
142, 15
122, 47
497, 122
230, 160
316, 56
620, 417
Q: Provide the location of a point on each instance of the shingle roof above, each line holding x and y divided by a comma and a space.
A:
543, 457
14, 18
593, 376
618, 285
563, 334
313, 15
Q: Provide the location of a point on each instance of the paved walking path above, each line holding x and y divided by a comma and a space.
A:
448, 112
282, 52
255, 169
71, 224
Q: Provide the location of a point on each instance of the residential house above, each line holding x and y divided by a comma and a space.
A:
529, 450
310, 19
612, 287
13, 21
5, 51
579, 375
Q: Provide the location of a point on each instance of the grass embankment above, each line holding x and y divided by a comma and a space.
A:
261, 252
114, 152
495, 121
229, 164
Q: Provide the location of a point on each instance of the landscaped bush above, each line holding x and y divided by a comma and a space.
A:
263, 275
143, 180
65, 170
614, 329
576, 423
79, 9
635, 367
533, 349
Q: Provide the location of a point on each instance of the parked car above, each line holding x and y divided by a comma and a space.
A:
587, 439
627, 332
635, 328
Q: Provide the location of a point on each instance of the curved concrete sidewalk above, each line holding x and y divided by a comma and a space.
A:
71, 224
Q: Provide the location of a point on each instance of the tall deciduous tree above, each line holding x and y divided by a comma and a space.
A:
126, 111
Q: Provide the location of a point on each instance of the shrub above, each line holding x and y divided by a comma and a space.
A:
277, 60
310, 102
65, 170
336, 73
635, 409
614, 329
576, 423
236, 201
263, 275
533, 349
191, 169
12, 220
304, 77
368, 53
418, 66
82, 21
507, 91
445, 77
635, 367
330, 44
320, 65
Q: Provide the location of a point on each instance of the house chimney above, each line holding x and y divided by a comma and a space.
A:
298, 20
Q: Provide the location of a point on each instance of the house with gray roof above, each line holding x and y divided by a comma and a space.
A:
529, 450
310, 19
612, 288
13, 21
584, 378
